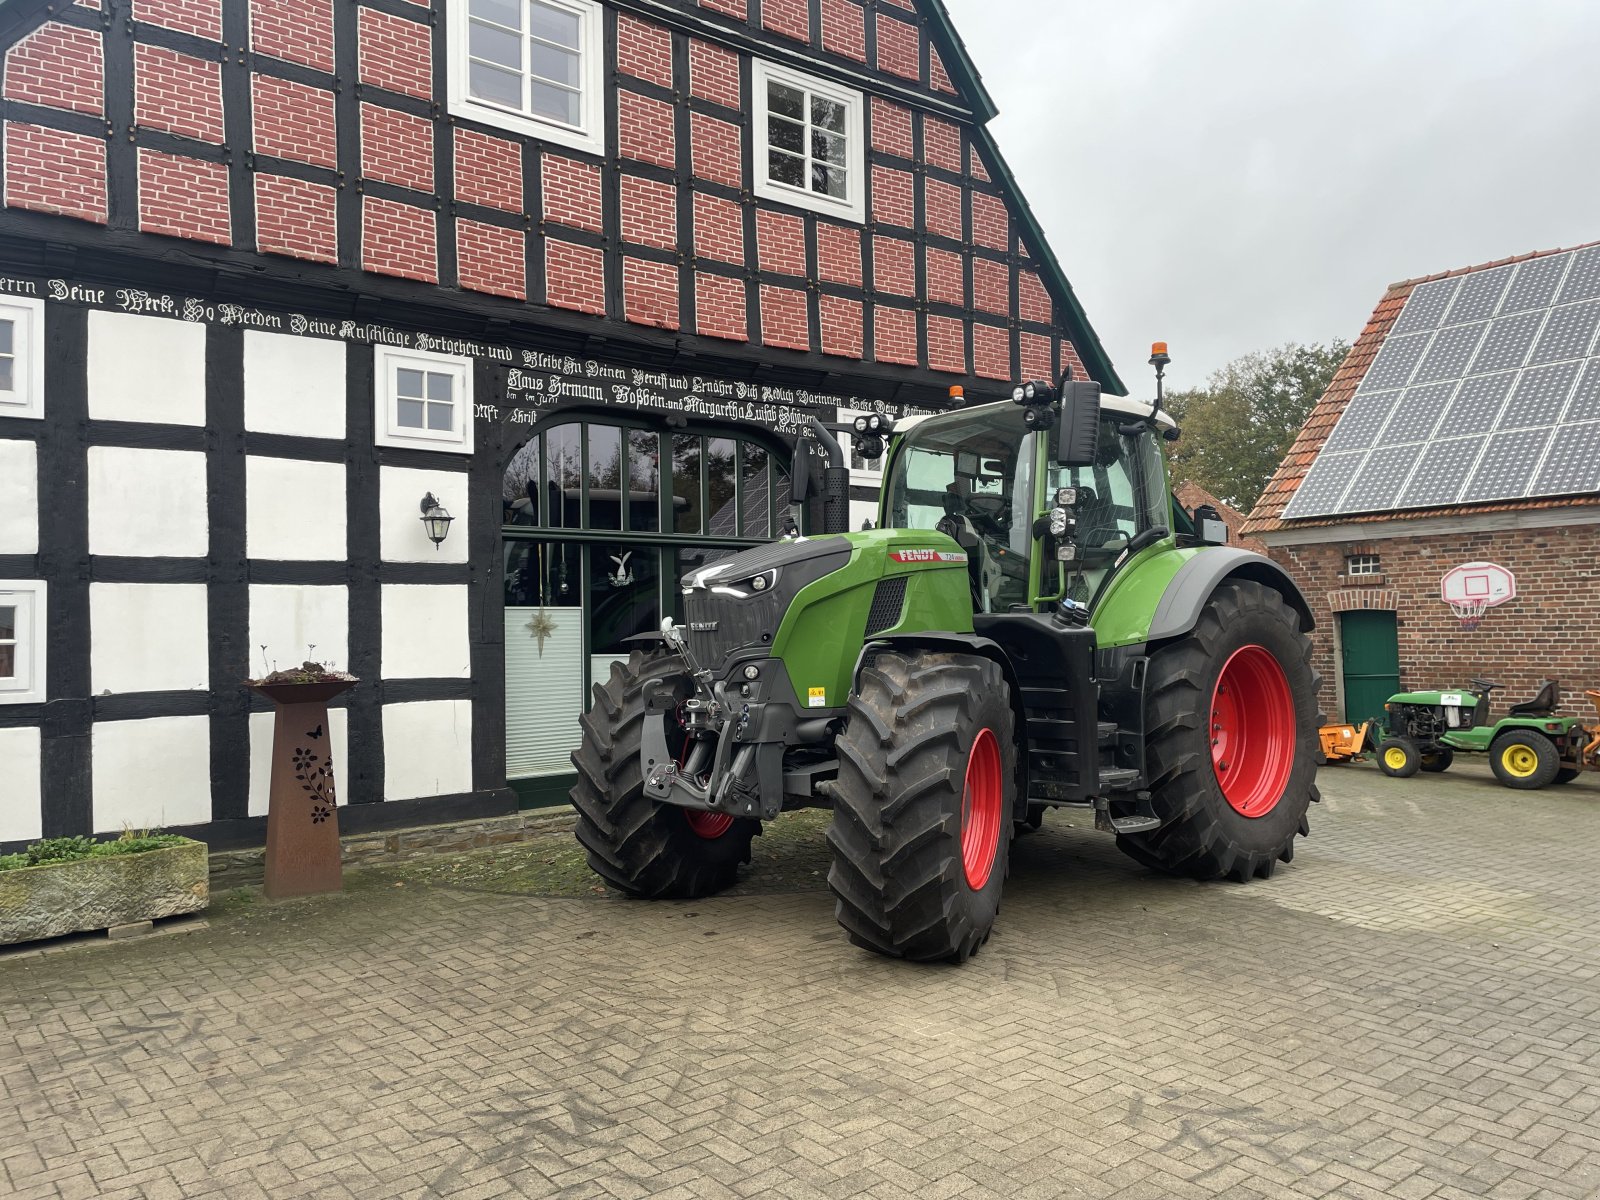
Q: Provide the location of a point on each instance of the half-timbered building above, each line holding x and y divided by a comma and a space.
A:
272, 272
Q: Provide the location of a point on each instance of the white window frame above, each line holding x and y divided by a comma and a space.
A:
589, 135
28, 597
388, 431
26, 399
1357, 565
853, 207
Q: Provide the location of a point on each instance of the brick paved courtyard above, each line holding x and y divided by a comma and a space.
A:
1412, 1009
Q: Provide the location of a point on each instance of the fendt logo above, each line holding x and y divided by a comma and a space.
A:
927, 556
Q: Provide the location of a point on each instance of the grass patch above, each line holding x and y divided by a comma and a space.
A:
790, 856
72, 849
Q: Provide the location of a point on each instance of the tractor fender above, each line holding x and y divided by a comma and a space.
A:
1191, 587
964, 643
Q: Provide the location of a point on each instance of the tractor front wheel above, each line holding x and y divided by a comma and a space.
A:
638, 846
1438, 759
923, 806
1232, 740
1524, 759
1399, 758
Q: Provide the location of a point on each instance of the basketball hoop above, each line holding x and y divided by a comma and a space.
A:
1472, 589
1469, 612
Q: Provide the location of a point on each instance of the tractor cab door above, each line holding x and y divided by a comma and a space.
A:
970, 476
1122, 495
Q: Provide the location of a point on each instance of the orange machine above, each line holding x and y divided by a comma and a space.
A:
1342, 743
1591, 752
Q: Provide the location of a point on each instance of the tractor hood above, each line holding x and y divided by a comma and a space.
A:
739, 602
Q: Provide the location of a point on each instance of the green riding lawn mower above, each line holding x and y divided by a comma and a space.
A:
1036, 624
1529, 747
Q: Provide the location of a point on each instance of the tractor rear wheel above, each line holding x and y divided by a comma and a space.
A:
637, 845
1524, 759
1399, 758
1232, 740
1438, 759
923, 806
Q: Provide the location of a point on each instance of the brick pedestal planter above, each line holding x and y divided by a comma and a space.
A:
55, 899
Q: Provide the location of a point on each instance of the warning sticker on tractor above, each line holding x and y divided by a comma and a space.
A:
1451, 698
819, 697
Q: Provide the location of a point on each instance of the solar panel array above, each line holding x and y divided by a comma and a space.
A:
1487, 388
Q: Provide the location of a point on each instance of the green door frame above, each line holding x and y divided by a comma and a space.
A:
1369, 654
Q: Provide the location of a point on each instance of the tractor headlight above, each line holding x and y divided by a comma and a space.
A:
1019, 395
1038, 418
1059, 522
862, 425
752, 672
1067, 497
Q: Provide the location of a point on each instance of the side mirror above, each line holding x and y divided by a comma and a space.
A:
1078, 434
800, 472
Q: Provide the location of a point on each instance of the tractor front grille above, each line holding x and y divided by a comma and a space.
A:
888, 603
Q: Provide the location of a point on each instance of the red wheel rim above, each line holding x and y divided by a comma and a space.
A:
1252, 731
709, 825
982, 804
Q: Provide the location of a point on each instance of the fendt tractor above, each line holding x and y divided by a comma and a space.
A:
1036, 624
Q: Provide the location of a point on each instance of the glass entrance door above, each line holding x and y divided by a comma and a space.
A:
600, 522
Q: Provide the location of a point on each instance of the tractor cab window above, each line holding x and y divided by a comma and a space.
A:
971, 477
1119, 497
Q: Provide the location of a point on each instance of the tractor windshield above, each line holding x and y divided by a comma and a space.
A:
970, 475
1121, 496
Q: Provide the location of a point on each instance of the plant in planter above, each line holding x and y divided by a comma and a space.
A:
303, 852
69, 885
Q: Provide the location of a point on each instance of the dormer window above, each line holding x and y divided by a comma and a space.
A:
530, 66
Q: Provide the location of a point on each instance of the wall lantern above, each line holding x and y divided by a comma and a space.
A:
435, 519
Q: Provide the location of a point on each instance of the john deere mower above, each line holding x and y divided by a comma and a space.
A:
1035, 624
1529, 747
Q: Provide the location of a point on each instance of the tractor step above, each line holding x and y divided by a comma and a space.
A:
1135, 824
1118, 779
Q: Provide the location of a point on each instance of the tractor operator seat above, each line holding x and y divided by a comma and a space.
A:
1543, 704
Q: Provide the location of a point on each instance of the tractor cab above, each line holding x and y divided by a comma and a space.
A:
994, 484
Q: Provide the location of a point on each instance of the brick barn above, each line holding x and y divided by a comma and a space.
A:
273, 271
1463, 428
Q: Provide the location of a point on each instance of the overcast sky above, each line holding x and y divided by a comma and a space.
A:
1230, 175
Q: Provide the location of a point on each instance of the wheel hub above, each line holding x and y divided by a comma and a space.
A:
982, 809
1252, 731
709, 825
1520, 761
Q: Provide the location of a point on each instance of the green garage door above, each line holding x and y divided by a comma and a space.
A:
1371, 665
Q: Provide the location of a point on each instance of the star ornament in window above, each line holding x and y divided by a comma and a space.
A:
541, 625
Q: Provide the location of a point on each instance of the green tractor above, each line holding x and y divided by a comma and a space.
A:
1036, 624
1530, 747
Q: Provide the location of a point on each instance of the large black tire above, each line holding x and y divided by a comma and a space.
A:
636, 845
900, 808
1438, 759
1524, 759
1202, 834
1399, 758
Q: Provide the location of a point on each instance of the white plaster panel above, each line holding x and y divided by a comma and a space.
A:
148, 637
21, 801
147, 503
289, 619
425, 631
146, 369
294, 509
151, 774
294, 385
19, 498
427, 749
402, 537
261, 757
